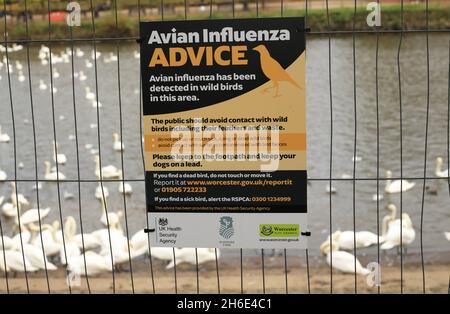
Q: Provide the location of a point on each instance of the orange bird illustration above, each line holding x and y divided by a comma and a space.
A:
273, 70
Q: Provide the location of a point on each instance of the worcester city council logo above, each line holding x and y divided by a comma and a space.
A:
226, 229
266, 230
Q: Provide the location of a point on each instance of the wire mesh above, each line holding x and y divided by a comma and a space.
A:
116, 38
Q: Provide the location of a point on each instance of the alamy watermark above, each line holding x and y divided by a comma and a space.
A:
374, 17
373, 279
73, 17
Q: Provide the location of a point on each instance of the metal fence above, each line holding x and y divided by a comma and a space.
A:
289, 270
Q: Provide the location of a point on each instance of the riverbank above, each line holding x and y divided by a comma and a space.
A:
436, 270
341, 19
436, 281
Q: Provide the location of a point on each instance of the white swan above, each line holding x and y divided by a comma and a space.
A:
99, 193
90, 241
113, 217
32, 216
139, 243
3, 175
343, 261
35, 257
23, 237
120, 253
377, 197
22, 200
95, 55
79, 53
111, 58
82, 76
10, 209
55, 73
187, 255
19, 65
42, 85
3, 267
88, 64
125, 187
59, 158
102, 236
52, 175
397, 186
51, 237
117, 145
392, 237
140, 246
15, 262
6, 243
439, 172
330, 189
447, 235
364, 239
95, 264
89, 95
118, 244
21, 77
70, 247
391, 230
96, 104
4, 138
108, 172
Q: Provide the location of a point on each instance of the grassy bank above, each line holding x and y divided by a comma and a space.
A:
341, 19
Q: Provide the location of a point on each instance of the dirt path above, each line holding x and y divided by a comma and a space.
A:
437, 280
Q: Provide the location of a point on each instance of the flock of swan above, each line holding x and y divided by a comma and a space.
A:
396, 232
47, 246
36, 244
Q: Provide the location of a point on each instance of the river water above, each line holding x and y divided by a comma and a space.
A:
413, 62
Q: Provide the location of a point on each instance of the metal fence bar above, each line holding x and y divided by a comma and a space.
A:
15, 156
401, 143
175, 271
425, 153
99, 148
217, 271
121, 151
262, 250
55, 147
309, 33
141, 144
448, 119
77, 149
378, 147
354, 146
331, 147
35, 151
306, 250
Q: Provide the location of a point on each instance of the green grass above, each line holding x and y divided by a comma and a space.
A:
340, 19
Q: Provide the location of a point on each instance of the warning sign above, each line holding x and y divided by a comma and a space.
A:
225, 132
